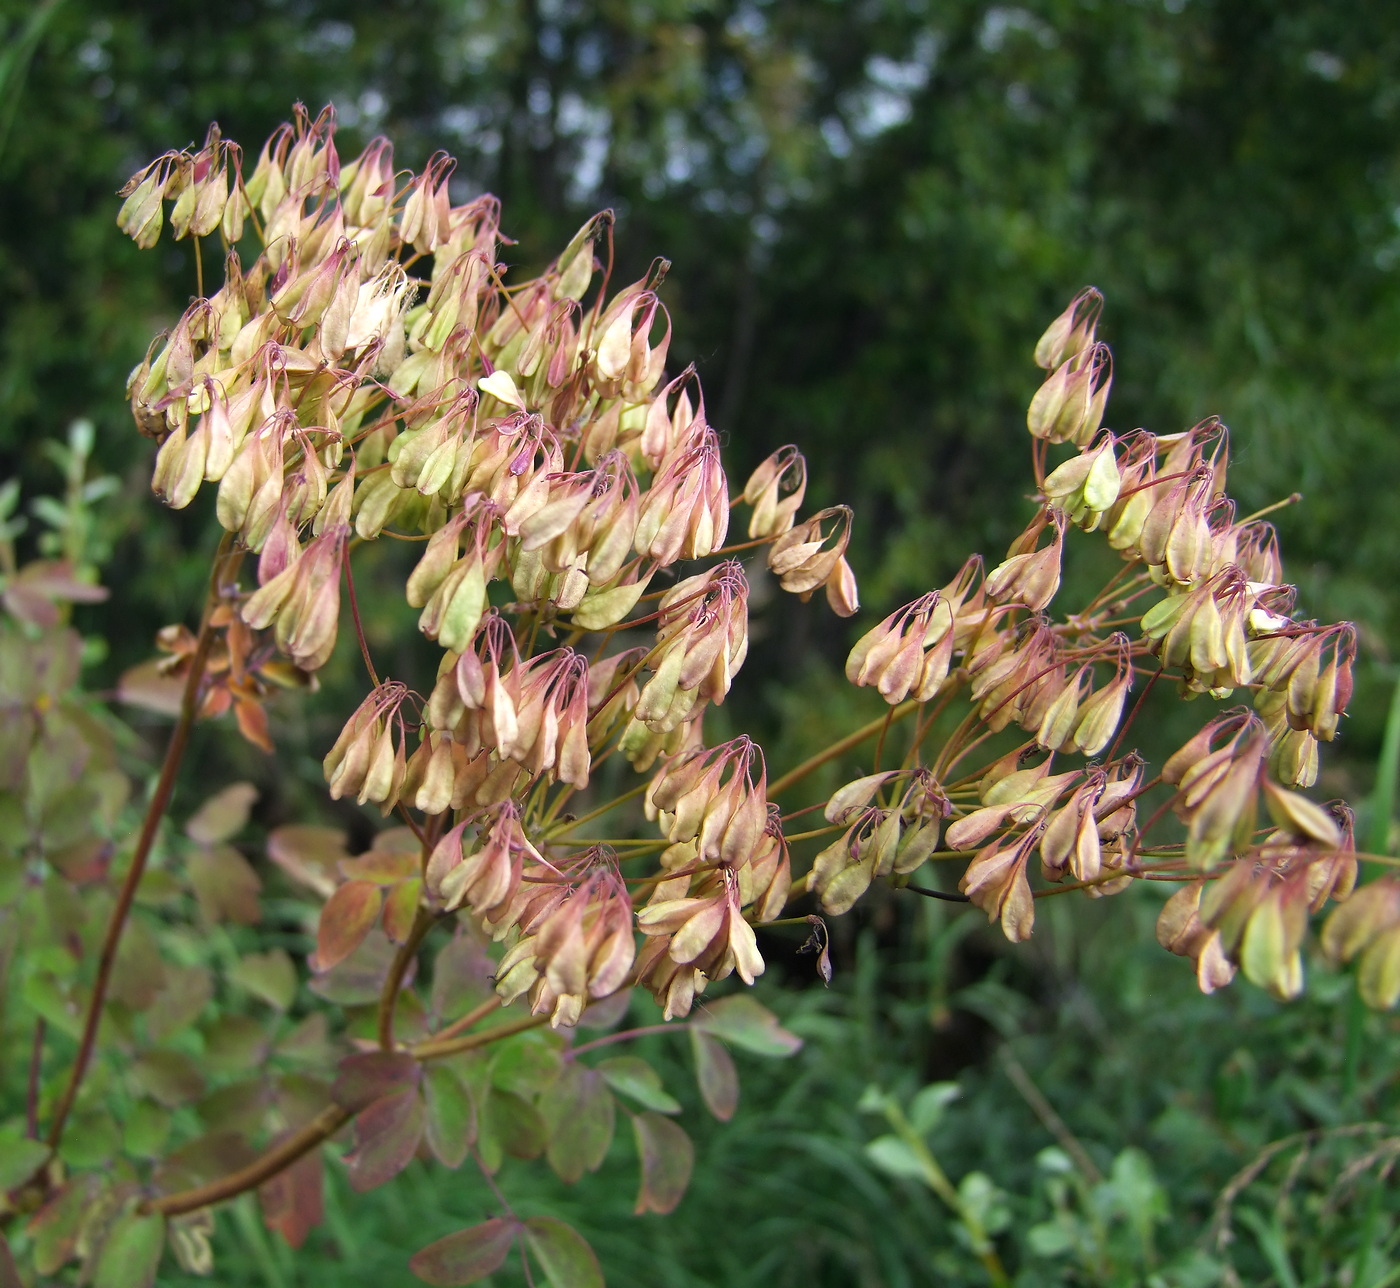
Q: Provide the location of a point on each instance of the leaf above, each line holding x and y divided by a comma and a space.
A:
55, 1227
146, 686
384, 867
9, 1272
170, 1078
462, 974
292, 1202
742, 1021
145, 1130
527, 1065
270, 976
634, 1077
345, 920
225, 885
508, 1124
186, 993
139, 973
371, 1075
667, 1157
579, 1113
233, 1043
223, 815
563, 1254
20, 1158
237, 1107
716, 1075
131, 1252
894, 1157
309, 855
926, 1109
467, 1255
451, 1123
400, 908
359, 979
386, 1138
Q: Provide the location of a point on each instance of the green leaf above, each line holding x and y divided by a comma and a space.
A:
579, 1114
667, 1158
635, 1078
716, 1075
170, 1078
9, 1272
527, 1065
20, 1159
562, 1253
468, 1255
926, 1109
451, 1124
223, 815
742, 1021
345, 921
55, 1227
145, 1130
507, 1124
894, 1157
186, 993
131, 1252
270, 976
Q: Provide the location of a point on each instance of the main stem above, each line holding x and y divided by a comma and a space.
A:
155, 811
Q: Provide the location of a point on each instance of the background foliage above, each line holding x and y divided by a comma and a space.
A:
872, 208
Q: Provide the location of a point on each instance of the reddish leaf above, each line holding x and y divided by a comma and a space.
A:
372, 1075
147, 687
400, 907
170, 1078
223, 815
468, 1255
233, 1043
131, 1252
462, 974
217, 1153
579, 1113
715, 1072
55, 1227
292, 1201
9, 1272
359, 979
345, 921
744, 1023
139, 973
563, 1254
269, 976
309, 855
667, 1157
386, 1138
308, 1042
383, 867
225, 885
186, 993
451, 1123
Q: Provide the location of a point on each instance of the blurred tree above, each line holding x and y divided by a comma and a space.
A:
875, 206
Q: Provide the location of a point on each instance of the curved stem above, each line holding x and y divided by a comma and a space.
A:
329, 1121
436, 1048
839, 747
423, 922
155, 811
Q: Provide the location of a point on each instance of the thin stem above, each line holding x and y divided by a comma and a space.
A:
816, 831
1045, 1111
423, 922
626, 1035
436, 1048
321, 1128
1132, 715
155, 811
198, 270
601, 810
838, 748
471, 1018
31, 1101
355, 616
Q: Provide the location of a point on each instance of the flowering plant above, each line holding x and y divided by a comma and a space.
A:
565, 832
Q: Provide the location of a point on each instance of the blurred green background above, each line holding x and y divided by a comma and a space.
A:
872, 207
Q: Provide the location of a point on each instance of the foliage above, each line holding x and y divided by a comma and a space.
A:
528, 442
